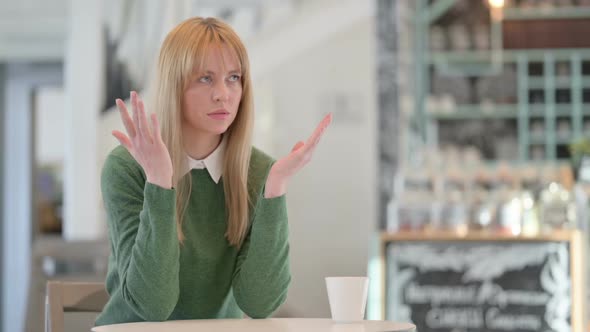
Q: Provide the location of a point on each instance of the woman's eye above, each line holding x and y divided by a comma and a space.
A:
234, 78
205, 79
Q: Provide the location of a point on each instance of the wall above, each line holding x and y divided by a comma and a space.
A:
332, 202
49, 126
84, 93
2, 176
21, 80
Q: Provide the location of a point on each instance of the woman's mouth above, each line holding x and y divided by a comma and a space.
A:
219, 115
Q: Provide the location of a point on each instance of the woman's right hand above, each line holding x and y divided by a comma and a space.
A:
144, 143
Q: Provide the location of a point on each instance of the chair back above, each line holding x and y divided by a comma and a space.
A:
62, 297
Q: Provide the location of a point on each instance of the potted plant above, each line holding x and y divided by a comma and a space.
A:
579, 150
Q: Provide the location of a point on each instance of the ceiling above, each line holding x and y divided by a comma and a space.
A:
36, 30
32, 29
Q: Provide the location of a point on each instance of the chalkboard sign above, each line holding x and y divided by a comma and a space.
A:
480, 285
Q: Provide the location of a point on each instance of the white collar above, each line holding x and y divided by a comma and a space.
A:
213, 162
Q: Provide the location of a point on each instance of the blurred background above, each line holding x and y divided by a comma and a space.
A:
453, 120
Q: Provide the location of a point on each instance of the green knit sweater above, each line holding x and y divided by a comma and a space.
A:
151, 277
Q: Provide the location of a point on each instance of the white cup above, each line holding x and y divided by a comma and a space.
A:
348, 298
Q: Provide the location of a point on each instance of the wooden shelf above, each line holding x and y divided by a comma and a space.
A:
537, 139
542, 140
56, 247
547, 13
477, 112
563, 82
507, 56
502, 111
559, 83
538, 110
556, 235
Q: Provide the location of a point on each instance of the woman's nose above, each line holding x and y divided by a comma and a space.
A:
220, 92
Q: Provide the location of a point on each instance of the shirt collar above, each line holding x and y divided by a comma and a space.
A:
213, 162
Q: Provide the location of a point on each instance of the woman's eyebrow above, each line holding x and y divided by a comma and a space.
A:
210, 72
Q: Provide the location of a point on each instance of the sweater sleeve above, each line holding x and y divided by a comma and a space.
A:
142, 227
262, 274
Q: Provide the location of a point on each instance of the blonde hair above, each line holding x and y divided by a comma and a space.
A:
183, 51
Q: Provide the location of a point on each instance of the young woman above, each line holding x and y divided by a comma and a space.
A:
197, 217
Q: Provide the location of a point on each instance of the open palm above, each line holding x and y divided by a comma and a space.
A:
300, 155
145, 143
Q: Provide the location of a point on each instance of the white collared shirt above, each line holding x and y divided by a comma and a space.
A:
213, 162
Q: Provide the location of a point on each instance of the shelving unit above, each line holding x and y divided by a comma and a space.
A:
546, 96
553, 13
552, 87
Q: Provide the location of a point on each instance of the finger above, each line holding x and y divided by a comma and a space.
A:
127, 122
319, 131
156, 128
133, 97
124, 140
143, 120
297, 146
315, 138
321, 128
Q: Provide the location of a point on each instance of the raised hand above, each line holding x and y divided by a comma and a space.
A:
282, 171
145, 143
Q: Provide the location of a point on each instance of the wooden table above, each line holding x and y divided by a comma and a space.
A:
259, 325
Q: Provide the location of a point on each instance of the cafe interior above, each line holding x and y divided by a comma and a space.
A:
455, 173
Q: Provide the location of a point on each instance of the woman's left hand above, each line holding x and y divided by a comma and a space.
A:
282, 170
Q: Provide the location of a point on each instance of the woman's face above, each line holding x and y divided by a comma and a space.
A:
213, 96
